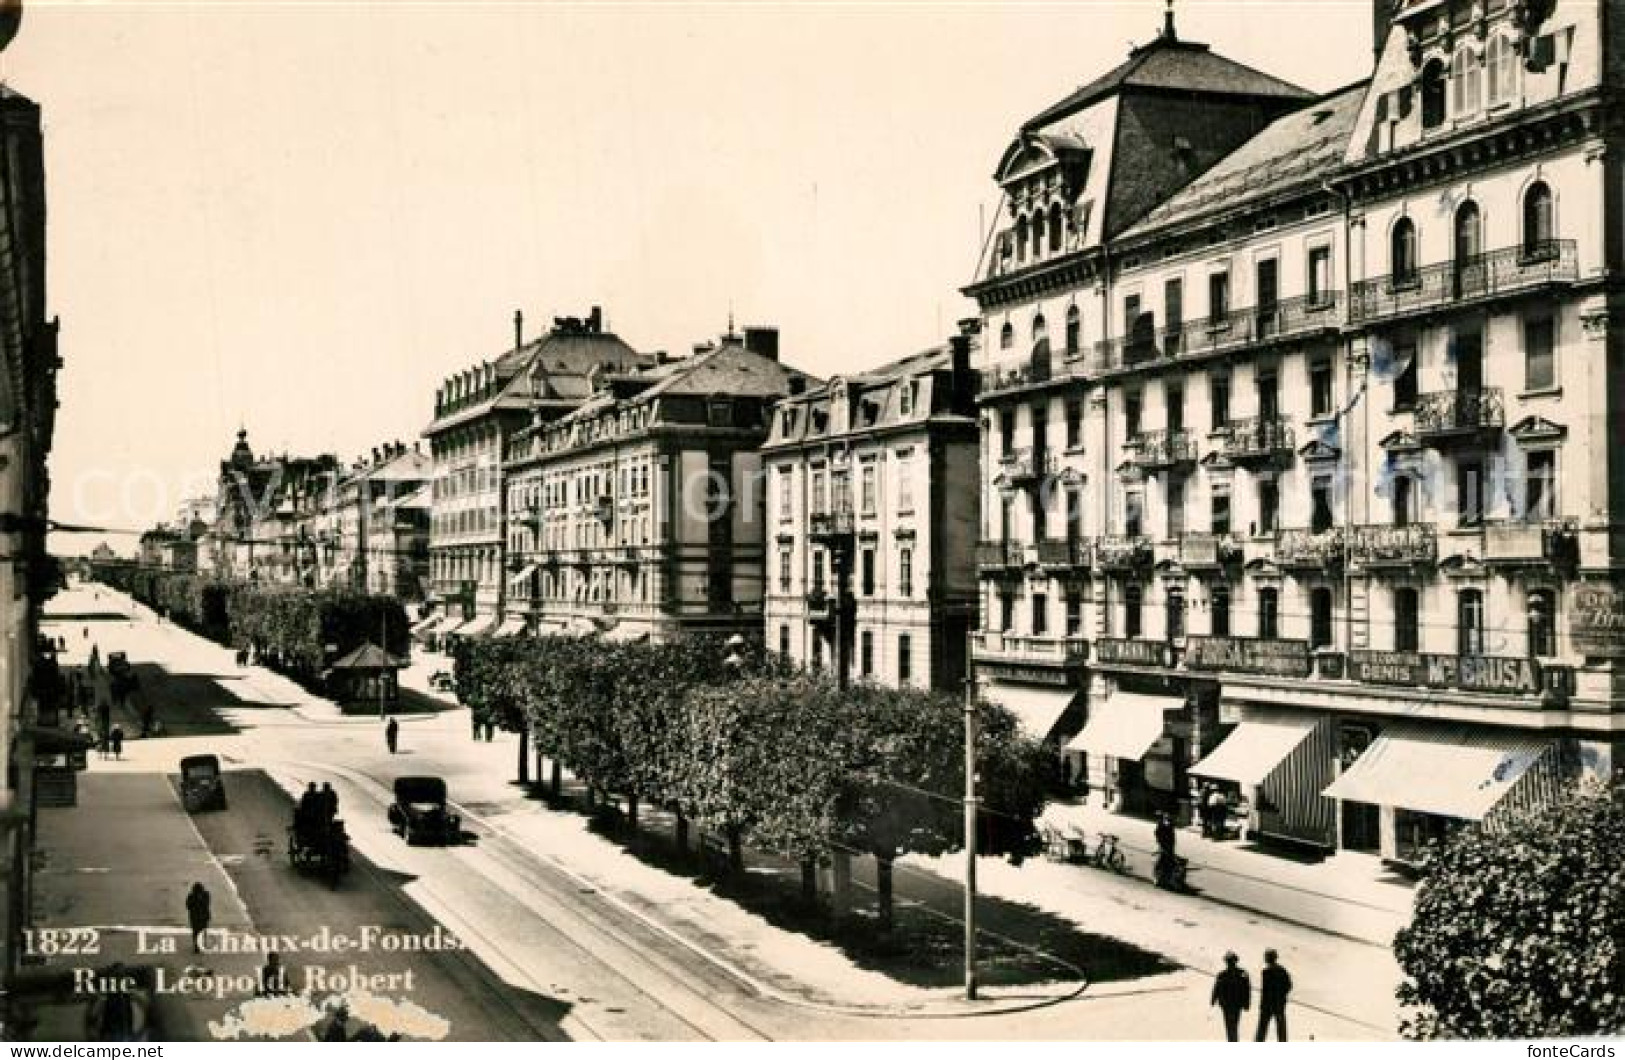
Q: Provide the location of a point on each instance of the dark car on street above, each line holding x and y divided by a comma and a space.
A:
201, 785
419, 813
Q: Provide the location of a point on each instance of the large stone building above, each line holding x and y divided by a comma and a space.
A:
265, 513
871, 529
1301, 479
476, 413
28, 345
641, 514
373, 524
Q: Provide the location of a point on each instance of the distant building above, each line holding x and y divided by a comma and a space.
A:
264, 514
871, 485
476, 413
374, 524
640, 513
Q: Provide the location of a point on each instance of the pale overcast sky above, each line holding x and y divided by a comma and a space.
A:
300, 217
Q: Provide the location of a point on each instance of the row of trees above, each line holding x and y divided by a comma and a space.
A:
299, 630
763, 754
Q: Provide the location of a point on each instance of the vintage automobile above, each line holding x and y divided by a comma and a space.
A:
319, 846
419, 813
201, 785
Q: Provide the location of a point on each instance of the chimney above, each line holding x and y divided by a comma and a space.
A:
1168, 33
1382, 19
762, 341
964, 388
518, 329
662, 357
798, 384
702, 348
375, 455
595, 320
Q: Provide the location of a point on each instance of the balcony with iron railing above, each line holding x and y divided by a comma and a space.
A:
827, 527
1509, 270
1529, 543
1011, 647
1198, 551
1123, 552
1065, 553
1003, 380
1154, 450
1446, 416
1257, 438
1393, 546
1309, 549
1292, 318
825, 606
1024, 466
1000, 555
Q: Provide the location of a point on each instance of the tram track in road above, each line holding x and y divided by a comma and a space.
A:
579, 925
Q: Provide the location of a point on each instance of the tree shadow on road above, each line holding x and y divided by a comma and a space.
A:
1019, 944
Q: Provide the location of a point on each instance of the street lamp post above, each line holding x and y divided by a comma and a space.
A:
972, 806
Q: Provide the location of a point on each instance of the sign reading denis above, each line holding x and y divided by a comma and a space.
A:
1469, 673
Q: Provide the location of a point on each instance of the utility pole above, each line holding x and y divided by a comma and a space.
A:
972, 807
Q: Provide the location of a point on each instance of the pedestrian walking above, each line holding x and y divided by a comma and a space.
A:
490, 730
115, 742
274, 976
1218, 811
1233, 993
1274, 984
198, 914
475, 725
392, 733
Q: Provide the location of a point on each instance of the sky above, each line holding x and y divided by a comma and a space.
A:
297, 218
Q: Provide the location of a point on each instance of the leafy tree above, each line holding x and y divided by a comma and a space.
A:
1519, 926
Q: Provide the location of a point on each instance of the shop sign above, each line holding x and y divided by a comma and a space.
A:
1251, 655
1015, 673
1134, 652
1469, 673
1597, 621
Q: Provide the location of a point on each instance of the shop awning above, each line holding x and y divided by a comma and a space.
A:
1124, 725
447, 623
1449, 770
422, 625
1036, 709
509, 627
1253, 750
523, 575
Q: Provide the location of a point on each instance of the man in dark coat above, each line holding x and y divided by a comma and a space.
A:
1233, 993
1274, 984
392, 733
197, 913
329, 803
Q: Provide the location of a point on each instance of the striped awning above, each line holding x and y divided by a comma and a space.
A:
422, 625
1449, 770
1124, 725
508, 627
1255, 748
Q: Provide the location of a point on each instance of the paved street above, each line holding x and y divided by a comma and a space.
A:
570, 936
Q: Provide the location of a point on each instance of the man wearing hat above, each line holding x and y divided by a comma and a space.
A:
1233, 993
1274, 984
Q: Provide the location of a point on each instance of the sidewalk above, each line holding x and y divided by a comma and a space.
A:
1348, 895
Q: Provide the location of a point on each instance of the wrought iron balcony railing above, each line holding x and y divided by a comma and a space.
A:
1534, 542
1444, 413
1065, 553
1158, 449
1393, 546
1257, 438
1308, 549
1498, 272
1291, 318
1123, 552
1000, 555
1059, 651
1208, 550
1007, 379
1025, 465
828, 525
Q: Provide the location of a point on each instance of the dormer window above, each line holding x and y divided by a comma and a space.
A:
787, 422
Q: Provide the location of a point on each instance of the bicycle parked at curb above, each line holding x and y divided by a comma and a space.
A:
1108, 855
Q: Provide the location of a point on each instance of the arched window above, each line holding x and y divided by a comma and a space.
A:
1402, 251
1538, 231
1074, 330
1021, 238
1542, 623
1007, 336
1469, 249
1040, 329
1320, 618
1465, 79
1501, 67
1433, 91
1055, 228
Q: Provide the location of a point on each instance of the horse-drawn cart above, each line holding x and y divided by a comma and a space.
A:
320, 847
